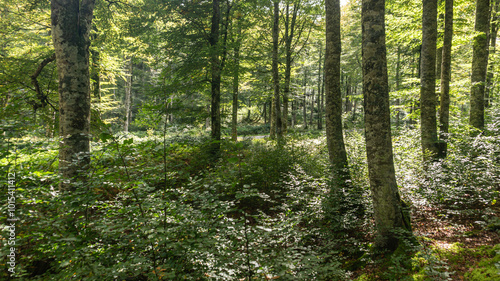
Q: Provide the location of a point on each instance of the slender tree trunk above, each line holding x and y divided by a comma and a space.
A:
276, 80
304, 108
72, 58
491, 65
320, 119
216, 79
479, 64
311, 115
333, 109
444, 109
95, 77
128, 95
236, 83
398, 86
388, 212
265, 112
272, 134
294, 113
428, 79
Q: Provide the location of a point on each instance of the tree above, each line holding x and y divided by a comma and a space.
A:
444, 109
428, 80
216, 78
128, 94
333, 108
493, 43
276, 80
479, 64
71, 24
386, 200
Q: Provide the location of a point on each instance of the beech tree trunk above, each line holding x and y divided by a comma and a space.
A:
236, 83
444, 109
479, 63
333, 109
428, 98
71, 22
128, 96
493, 43
320, 113
215, 134
388, 212
276, 77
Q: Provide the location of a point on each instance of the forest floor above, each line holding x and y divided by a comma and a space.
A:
460, 241
455, 246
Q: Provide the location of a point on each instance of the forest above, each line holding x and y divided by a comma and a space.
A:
249, 140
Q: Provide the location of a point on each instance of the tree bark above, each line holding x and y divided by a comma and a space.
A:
320, 119
333, 109
388, 212
276, 78
493, 43
428, 98
236, 83
216, 80
444, 109
304, 108
71, 22
479, 64
128, 95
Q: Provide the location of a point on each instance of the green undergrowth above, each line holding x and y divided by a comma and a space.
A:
158, 207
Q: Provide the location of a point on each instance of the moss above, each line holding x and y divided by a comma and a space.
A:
488, 268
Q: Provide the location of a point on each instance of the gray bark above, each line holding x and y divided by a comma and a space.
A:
493, 43
444, 109
216, 80
387, 205
333, 108
276, 78
479, 64
128, 95
236, 83
428, 99
71, 22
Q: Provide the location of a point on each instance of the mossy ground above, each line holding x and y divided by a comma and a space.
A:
451, 248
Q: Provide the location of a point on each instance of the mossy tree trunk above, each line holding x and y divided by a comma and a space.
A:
215, 115
493, 43
71, 22
333, 108
479, 64
428, 99
444, 109
388, 211
276, 77
128, 95
236, 83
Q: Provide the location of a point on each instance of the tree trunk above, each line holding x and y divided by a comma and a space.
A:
333, 109
320, 119
304, 108
71, 23
236, 82
479, 64
272, 133
444, 109
216, 80
428, 79
398, 86
95, 77
388, 212
128, 95
276, 80
493, 43
265, 112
